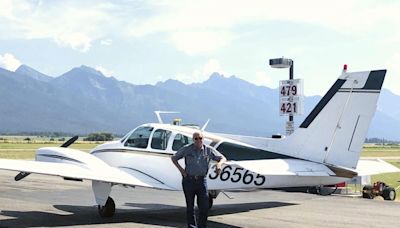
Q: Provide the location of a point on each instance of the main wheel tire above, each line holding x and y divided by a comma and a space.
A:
326, 191
389, 193
367, 192
108, 210
210, 202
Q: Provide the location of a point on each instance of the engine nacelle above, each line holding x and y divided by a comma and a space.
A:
70, 156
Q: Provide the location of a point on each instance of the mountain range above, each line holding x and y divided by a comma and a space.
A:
83, 100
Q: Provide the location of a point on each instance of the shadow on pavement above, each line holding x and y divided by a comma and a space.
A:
149, 214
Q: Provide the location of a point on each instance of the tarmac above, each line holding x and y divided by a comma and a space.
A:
43, 201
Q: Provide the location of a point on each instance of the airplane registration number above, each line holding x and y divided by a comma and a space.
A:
237, 175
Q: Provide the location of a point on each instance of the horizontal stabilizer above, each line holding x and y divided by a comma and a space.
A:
375, 166
285, 167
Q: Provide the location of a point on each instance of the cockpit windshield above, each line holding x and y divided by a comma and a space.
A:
139, 138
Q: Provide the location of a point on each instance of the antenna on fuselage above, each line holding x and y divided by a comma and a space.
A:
162, 112
205, 125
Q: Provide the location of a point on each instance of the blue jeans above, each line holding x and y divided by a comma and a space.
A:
191, 188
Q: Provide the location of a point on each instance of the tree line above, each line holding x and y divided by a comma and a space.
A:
99, 136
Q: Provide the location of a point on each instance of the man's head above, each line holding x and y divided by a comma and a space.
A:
198, 139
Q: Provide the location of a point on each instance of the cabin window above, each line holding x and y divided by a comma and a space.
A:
180, 141
139, 138
160, 139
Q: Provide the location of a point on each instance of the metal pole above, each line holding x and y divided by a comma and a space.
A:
291, 70
291, 78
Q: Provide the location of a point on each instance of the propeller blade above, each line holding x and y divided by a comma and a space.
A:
21, 176
70, 141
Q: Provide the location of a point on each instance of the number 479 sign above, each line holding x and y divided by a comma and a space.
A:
291, 97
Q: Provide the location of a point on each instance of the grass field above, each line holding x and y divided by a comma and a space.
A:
392, 179
371, 150
26, 150
17, 148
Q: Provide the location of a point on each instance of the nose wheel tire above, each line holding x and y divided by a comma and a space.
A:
108, 210
210, 202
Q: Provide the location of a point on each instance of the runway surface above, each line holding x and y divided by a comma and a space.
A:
42, 201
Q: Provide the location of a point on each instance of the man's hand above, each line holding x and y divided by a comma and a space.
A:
218, 169
183, 172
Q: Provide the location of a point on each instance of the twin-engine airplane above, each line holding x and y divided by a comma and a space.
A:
325, 149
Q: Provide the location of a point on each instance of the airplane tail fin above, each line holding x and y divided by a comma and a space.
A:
335, 130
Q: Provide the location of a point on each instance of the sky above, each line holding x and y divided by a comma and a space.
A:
143, 42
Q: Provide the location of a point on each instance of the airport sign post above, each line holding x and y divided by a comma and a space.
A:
290, 93
291, 97
290, 100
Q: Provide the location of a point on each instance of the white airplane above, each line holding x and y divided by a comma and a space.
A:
325, 149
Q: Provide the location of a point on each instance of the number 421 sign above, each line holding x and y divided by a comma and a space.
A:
291, 97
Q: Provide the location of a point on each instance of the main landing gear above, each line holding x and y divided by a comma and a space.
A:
210, 202
108, 209
212, 194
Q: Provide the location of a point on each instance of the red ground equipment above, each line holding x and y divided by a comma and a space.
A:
379, 189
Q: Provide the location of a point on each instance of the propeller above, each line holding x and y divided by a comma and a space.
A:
70, 141
22, 175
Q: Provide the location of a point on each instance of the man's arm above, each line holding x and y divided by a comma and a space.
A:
178, 155
219, 158
183, 172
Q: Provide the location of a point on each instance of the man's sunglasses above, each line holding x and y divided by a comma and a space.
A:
198, 138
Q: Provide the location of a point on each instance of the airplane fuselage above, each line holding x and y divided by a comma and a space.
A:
154, 161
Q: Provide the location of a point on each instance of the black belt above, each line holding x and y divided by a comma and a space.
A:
195, 177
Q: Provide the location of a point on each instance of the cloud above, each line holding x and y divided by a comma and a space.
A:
261, 78
181, 19
203, 73
209, 24
76, 41
9, 62
73, 24
104, 71
106, 42
200, 42
392, 81
212, 66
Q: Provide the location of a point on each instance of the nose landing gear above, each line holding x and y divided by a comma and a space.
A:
108, 209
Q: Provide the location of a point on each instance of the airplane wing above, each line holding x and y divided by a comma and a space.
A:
300, 167
104, 173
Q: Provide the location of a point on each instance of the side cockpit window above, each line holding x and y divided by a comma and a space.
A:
180, 141
160, 139
139, 138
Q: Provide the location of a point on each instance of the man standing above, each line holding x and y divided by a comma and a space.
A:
197, 159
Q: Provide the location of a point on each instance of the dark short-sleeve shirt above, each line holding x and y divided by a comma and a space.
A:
197, 161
